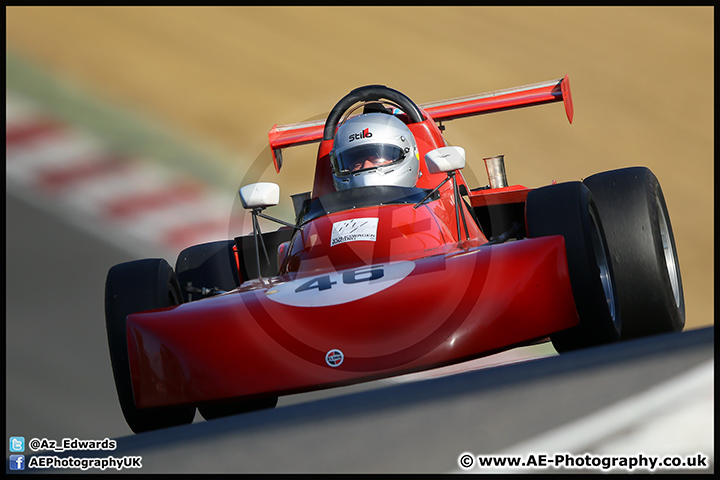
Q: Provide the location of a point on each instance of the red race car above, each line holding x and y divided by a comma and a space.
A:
393, 264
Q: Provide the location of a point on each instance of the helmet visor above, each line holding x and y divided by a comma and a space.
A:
367, 157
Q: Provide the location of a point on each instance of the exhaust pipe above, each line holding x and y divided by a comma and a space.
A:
496, 171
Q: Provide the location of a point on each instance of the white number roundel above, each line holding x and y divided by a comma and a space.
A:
335, 288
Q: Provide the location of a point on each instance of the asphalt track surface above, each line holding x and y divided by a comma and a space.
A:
59, 383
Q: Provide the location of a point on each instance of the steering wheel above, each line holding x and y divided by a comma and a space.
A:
370, 93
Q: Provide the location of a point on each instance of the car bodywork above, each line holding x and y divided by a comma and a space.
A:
366, 284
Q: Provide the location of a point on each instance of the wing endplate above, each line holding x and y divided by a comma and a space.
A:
284, 136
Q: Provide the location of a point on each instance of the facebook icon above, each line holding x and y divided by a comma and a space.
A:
17, 462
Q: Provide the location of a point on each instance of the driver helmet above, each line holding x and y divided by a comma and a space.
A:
374, 149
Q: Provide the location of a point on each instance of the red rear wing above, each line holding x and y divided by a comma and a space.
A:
284, 136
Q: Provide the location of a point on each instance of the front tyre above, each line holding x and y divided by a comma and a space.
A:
642, 249
130, 288
225, 409
568, 209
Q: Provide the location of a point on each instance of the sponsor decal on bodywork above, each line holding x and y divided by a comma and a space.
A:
356, 229
334, 357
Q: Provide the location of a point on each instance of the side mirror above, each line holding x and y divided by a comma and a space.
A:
448, 160
445, 159
259, 195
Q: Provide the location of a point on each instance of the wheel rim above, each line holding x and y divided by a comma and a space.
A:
604, 265
668, 251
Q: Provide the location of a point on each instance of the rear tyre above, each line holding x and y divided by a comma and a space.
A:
135, 287
642, 250
568, 209
210, 265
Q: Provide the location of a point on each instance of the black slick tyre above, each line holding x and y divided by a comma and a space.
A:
130, 288
642, 249
568, 209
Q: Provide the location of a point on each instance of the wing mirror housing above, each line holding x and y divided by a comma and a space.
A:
260, 195
257, 197
445, 159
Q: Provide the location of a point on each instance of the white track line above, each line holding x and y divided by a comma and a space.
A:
673, 418
508, 357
